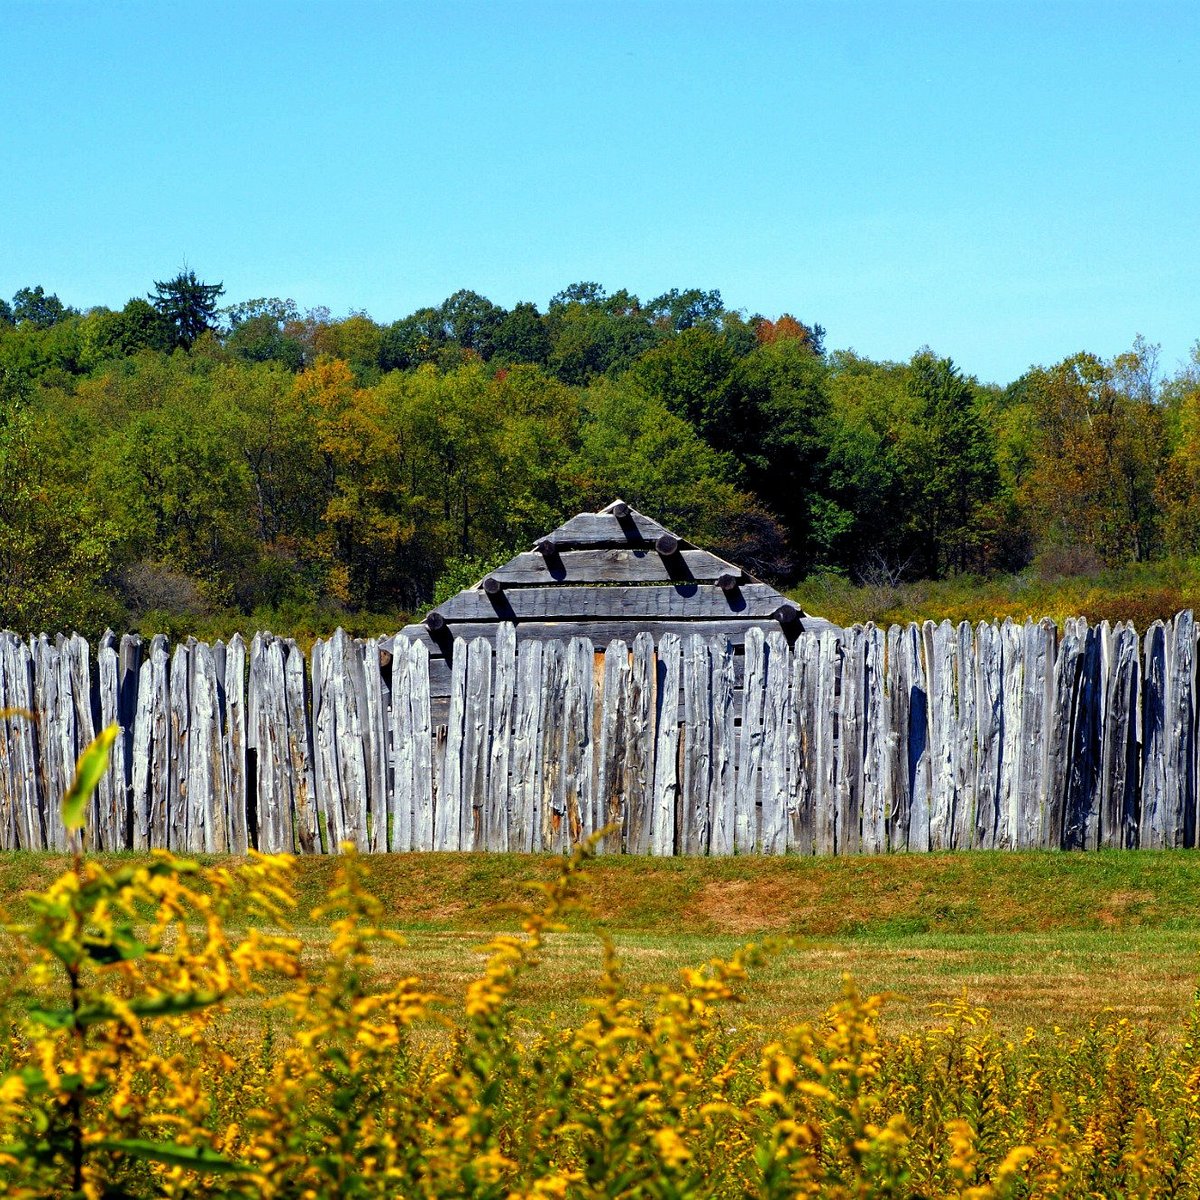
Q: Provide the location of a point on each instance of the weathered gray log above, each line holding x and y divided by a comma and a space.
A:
801, 746
324, 738
578, 752
1152, 822
686, 601
1040, 651
551, 835
964, 748
9, 839
988, 681
112, 794
606, 529
666, 748
899, 785
920, 767
178, 737
1119, 768
206, 800
723, 789
638, 787
774, 770
940, 648
400, 823
27, 828
614, 566
1068, 671
524, 816
476, 748
878, 744
745, 830
1181, 721
376, 744
850, 744
234, 749
300, 754
1008, 793
614, 737
825, 735
504, 692
696, 784
448, 812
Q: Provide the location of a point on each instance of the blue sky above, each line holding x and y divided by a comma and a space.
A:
1006, 182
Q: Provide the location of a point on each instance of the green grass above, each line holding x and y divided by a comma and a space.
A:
1039, 938
1140, 593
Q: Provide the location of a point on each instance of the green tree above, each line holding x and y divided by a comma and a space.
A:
32, 306
187, 305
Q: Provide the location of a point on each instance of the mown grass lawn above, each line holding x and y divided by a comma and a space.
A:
1041, 939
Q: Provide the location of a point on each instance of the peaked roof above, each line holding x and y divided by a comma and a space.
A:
613, 574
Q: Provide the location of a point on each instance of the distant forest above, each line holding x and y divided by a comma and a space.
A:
180, 458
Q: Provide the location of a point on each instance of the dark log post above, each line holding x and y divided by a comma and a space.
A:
667, 545
786, 614
620, 510
434, 621
546, 547
727, 582
492, 586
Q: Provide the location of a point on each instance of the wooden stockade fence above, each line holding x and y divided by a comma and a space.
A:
862, 740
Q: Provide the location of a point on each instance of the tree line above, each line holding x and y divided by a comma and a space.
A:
178, 458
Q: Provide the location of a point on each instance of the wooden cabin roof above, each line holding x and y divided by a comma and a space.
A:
607, 575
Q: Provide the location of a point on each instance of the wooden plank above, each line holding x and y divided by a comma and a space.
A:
666, 748
696, 790
723, 789
604, 529
524, 819
551, 835
614, 566
750, 757
773, 822
475, 746
21, 732
638, 787
614, 705
503, 708
920, 767
653, 602
1081, 818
